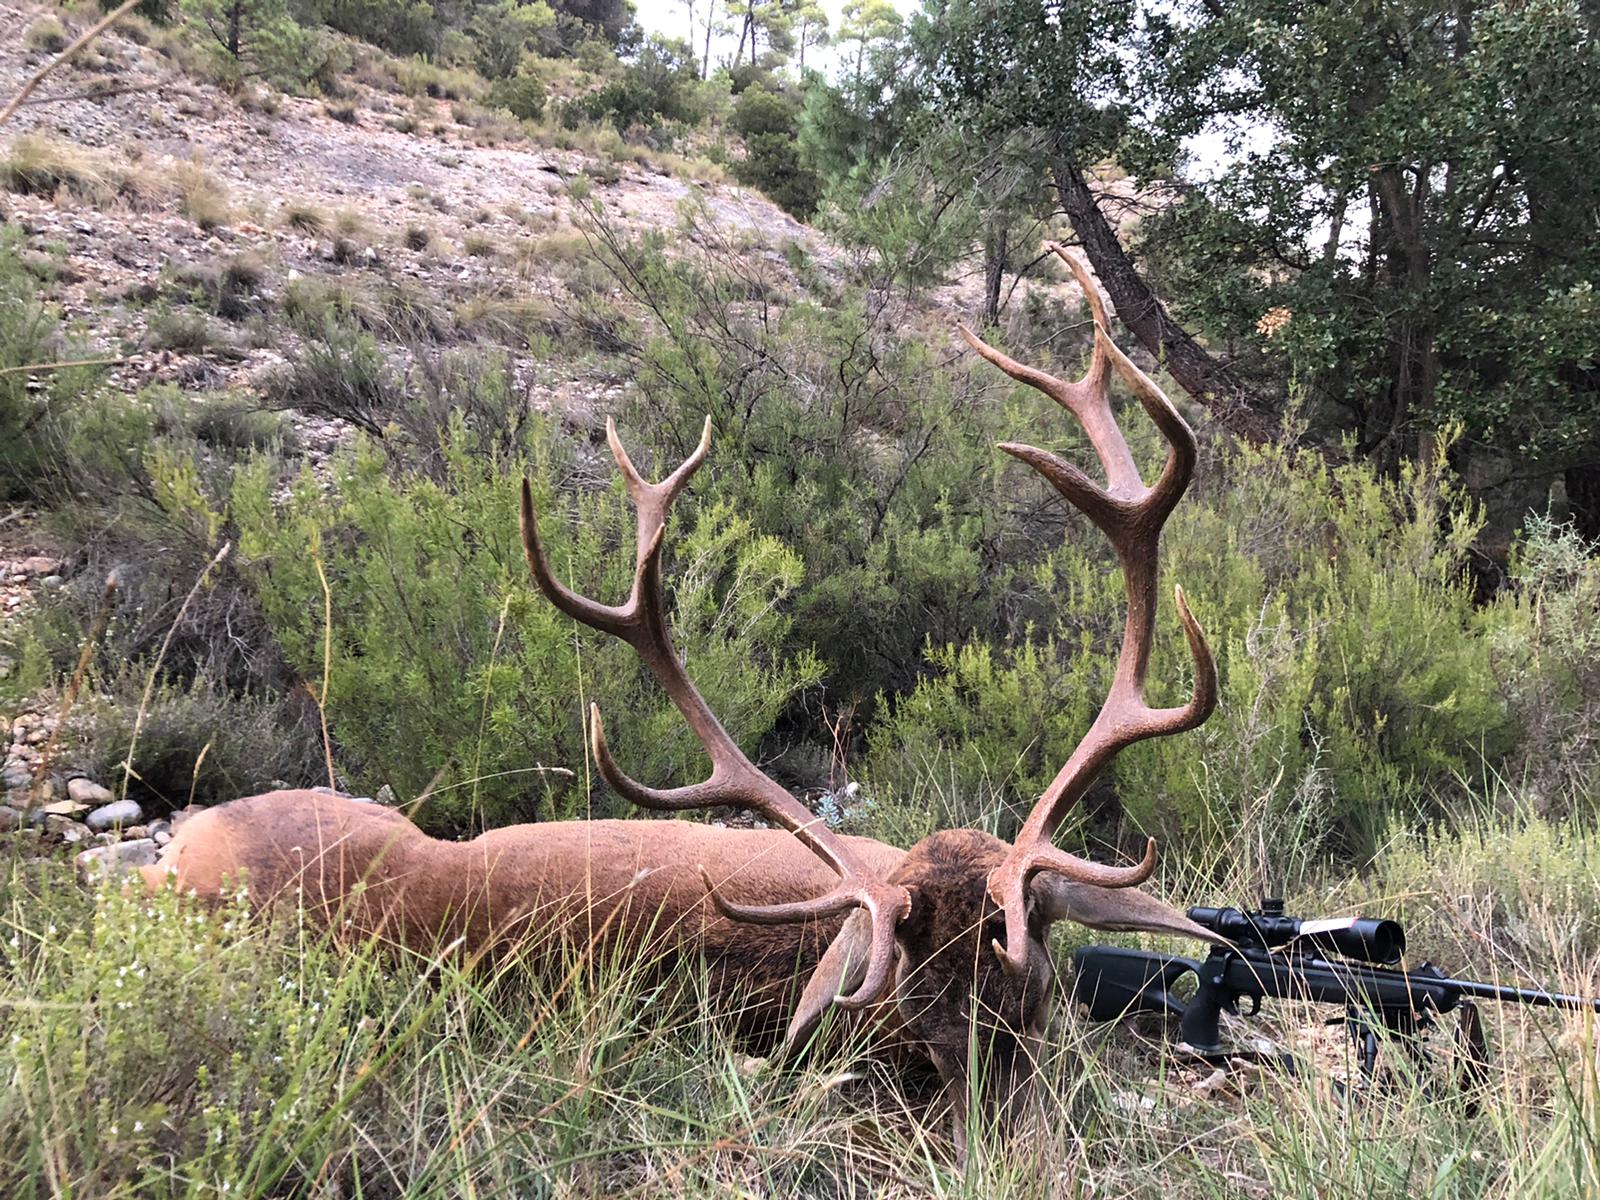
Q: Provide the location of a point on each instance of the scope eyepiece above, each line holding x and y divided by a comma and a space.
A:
1364, 939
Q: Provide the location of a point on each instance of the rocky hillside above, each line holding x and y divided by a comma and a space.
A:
189, 235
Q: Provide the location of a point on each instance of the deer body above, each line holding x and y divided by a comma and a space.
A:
632, 884
947, 940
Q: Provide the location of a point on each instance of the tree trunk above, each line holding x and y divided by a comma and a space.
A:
994, 271
1583, 497
1208, 381
1414, 359
711, 19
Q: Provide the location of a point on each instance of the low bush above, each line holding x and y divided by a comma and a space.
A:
522, 95
342, 372
1354, 680
45, 36
201, 196
304, 218
36, 165
451, 675
1544, 641
33, 407
182, 330
197, 741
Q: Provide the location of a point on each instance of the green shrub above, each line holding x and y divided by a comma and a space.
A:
198, 741
835, 436
402, 27
660, 85
1545, 642
502, 33
773, 161
522, 95
180, 330
33, 407
450, 671
1354, 683
341, 372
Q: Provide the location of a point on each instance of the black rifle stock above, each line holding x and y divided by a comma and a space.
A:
1280, 957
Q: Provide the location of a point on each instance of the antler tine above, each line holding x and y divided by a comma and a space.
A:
1131, 515
641, 621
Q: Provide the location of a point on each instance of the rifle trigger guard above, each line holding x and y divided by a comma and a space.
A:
1255, 1006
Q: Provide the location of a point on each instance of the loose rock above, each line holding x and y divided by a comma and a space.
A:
114, 860
64, 828
10, 818
118, 812
90, 793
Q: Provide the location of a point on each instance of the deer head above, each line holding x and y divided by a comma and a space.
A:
953, 941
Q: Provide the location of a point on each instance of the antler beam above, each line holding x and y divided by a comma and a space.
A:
1131, 515
641, 621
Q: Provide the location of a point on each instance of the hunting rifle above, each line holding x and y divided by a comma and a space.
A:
1352, 961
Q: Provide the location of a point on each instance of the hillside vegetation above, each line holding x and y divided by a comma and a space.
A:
290, 306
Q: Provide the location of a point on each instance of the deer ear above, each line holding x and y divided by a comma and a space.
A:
840, 971
1126, 910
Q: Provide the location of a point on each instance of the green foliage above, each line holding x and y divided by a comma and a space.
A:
1355, 680
1467, 295
522, 95
843, 441
502, 34
341, 372
197, 741
1546, 645
254, 37
399, 26
30, 404
773, 160
447, 666
660, 85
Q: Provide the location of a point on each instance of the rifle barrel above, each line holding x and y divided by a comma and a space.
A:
1533, 996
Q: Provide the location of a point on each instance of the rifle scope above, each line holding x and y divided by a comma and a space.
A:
1361, 938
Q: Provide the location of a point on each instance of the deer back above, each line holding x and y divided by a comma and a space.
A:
635, 885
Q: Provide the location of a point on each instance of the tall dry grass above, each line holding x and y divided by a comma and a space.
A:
153, 1050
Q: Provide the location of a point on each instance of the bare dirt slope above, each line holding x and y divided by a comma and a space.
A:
484, 208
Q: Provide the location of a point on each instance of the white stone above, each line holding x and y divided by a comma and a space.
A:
87, 791
118, 812
114, 860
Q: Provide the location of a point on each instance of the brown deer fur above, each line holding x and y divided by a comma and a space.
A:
946, 941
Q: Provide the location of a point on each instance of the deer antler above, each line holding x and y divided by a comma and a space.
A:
1131, 515
641, 621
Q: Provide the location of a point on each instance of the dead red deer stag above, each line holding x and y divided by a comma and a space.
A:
903, 934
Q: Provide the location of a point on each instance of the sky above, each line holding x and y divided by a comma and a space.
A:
1209, 151
669, 17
